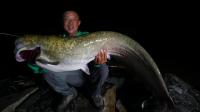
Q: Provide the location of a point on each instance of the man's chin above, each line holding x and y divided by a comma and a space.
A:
71, 31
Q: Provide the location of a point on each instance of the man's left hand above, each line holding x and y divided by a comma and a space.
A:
101, 57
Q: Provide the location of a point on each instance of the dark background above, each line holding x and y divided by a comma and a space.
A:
167, 30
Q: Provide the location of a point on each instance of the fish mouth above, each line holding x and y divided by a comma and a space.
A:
25, 54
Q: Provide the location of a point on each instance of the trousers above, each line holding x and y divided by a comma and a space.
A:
66, 82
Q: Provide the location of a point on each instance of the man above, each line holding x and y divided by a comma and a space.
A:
66, 82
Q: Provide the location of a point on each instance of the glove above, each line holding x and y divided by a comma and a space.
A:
30, 55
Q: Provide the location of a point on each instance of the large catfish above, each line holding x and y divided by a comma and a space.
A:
60, 54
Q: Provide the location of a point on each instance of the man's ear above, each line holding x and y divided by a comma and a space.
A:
79, 23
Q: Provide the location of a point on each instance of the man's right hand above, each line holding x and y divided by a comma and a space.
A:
30, 55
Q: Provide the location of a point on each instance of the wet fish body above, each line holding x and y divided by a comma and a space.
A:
61, 54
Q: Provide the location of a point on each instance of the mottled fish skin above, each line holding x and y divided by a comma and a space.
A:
75, 53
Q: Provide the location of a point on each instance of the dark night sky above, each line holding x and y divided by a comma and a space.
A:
166, 30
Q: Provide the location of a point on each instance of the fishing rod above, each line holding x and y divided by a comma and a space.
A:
7, 34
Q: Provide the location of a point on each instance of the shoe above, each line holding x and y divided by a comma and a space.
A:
98, 101
64, 103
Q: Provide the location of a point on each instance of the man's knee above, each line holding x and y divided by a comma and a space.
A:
66, 91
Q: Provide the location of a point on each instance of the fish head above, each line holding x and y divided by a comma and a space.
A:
52, 53
25, 44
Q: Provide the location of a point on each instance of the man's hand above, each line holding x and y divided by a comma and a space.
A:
101, 57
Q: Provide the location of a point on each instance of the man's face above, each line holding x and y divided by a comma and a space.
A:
71, 22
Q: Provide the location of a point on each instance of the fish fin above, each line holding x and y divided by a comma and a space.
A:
85, 69
47, 62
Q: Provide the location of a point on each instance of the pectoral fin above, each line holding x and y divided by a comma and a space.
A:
85, 69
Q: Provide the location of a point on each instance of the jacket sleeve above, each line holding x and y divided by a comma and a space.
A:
36, 69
